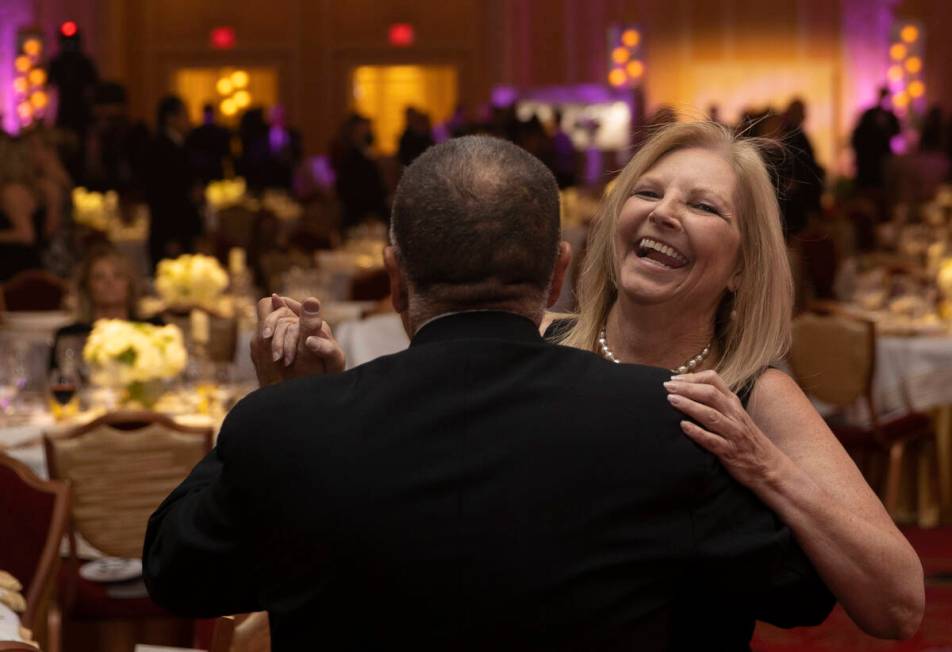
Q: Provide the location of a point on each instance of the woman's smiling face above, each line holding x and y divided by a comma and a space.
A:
677, 236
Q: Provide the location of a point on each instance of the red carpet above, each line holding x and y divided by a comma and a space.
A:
839, 634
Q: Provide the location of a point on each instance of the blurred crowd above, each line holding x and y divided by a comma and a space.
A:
166, 165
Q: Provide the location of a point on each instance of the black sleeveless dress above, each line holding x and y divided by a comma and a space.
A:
704, 620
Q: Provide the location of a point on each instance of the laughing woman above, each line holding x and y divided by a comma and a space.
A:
687, 270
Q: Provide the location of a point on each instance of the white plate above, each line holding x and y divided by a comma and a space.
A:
111, 569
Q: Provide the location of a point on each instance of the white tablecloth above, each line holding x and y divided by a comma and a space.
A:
913, 372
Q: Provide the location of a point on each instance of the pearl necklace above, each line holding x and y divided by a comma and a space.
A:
688, 366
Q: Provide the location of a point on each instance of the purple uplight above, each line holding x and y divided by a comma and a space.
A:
866, 26
14, 14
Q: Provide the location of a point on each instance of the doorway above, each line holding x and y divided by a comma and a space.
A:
382, 93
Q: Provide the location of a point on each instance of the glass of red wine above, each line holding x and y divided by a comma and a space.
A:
64, 387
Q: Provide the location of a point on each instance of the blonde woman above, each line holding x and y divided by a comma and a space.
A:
687, 270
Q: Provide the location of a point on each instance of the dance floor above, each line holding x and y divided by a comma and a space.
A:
839, 634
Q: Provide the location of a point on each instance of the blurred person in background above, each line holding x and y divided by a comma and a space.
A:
116, 147
74, 76
105, 288
255, 148
930, 135
872, 142
417, 137
171, 190
19, 241
563, 153
359, 183
209, 147
284, 150
800, 183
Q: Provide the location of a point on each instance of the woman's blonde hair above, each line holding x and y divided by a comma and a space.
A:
85, 310
752, 324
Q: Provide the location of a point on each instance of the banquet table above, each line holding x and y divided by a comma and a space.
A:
915, 372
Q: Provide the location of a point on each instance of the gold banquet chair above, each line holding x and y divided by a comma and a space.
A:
833, 358
119, 468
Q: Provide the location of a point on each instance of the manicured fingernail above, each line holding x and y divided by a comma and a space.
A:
275, 356
311, 342
677, 376
685, 425
267, 332
674, 398
669, 385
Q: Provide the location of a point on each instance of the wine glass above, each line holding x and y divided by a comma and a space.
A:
64, 384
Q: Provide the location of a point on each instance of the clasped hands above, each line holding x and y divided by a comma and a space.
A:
291, 340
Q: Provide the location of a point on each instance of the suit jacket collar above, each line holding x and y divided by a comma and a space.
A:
480, 325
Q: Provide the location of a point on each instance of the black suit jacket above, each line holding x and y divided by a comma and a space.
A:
481, 490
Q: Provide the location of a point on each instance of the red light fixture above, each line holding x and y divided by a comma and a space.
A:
222, 38
401, 35
69, 29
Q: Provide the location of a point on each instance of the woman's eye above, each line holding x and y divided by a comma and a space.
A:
647, 193
707, 208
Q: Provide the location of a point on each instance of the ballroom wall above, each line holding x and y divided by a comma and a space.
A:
734, 51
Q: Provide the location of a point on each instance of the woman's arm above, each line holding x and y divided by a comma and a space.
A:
803, 474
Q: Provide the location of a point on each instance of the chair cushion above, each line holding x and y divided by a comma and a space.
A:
91, 600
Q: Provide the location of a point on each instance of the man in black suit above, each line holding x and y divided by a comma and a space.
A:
483, 489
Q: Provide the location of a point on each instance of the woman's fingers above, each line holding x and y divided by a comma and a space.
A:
277, 341
703, 393
270, 321
291, 342
708, 376
707, 416
707, 440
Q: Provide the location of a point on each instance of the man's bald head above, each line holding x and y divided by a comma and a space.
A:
476, 221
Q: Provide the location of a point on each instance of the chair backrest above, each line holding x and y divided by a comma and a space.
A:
833, 357
34, 289
222, 635
33, 515
16, 646
120, 467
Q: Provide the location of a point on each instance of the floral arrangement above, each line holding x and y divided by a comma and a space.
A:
94, 209
226, 192
191, 281
133, 355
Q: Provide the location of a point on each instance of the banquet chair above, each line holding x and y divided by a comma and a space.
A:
222, 634
34, 290
33, 515
833, 358
119, 467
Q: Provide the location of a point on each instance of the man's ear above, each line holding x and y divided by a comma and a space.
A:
398, 285
558, 274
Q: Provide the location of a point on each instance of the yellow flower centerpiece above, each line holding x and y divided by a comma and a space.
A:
95, 210
191, 281
134, 356
227, 192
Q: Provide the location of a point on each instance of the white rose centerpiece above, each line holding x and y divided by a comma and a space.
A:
191, 281
134, 356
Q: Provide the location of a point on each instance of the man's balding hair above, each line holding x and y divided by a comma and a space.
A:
476, 221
